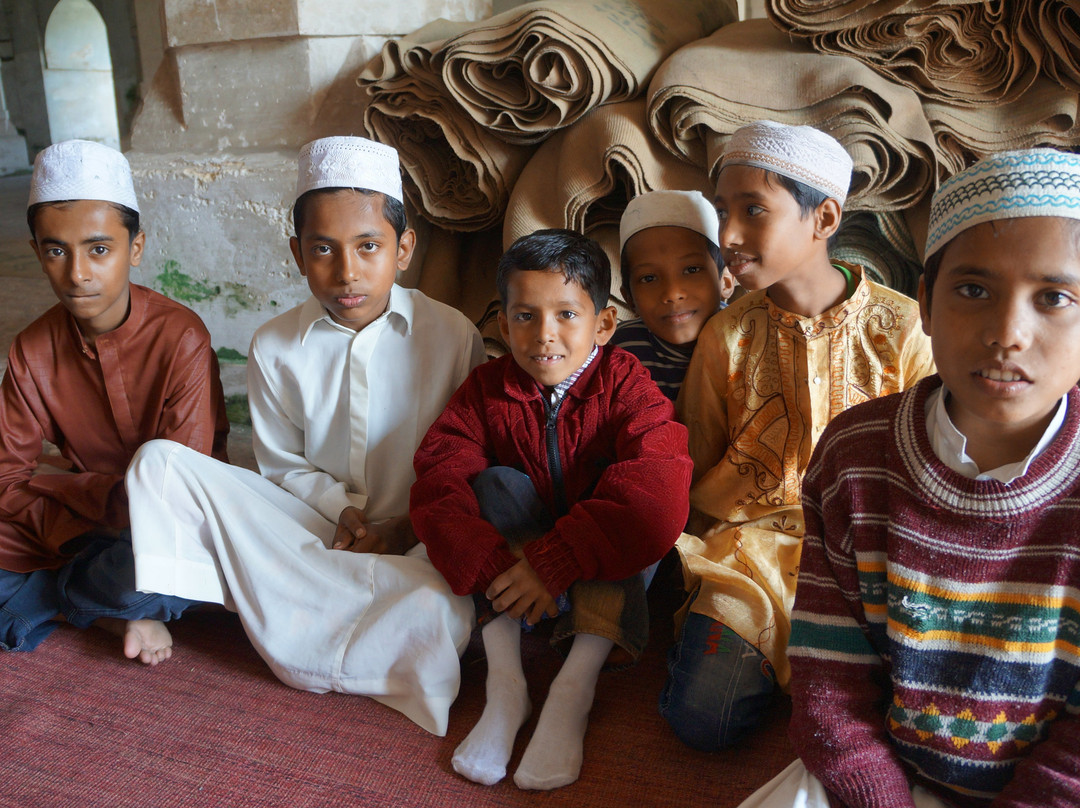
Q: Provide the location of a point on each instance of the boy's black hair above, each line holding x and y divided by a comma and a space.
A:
393, 210
933, 263
930, 271
578, 258
129, 217
808, 199
624, 268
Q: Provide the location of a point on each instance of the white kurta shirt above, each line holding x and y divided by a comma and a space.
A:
332, 407
337, 417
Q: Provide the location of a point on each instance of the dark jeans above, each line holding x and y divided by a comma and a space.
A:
99, 581
509, 502
28, 604
718, 686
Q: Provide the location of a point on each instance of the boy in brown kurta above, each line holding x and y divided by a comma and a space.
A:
110, 367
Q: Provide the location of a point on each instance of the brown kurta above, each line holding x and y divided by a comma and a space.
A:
156, 376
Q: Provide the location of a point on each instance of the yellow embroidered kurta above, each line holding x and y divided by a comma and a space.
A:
762, 385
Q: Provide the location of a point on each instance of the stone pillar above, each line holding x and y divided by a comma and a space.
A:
24, 82
13, 154
240, 87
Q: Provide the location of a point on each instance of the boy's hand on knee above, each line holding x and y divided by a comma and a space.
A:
520, 592
355, 534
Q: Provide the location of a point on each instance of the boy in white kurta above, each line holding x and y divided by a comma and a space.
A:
317, 555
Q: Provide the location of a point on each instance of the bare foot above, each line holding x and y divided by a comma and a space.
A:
148, 640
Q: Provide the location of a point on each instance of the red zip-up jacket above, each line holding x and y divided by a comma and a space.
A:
613, 440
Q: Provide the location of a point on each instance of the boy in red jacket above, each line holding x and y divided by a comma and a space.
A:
555, 475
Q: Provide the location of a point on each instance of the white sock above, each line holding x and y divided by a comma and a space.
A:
553, 756
483, 755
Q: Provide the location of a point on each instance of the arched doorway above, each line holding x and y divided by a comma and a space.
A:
79, 92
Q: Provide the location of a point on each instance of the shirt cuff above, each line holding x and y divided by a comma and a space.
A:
337, 498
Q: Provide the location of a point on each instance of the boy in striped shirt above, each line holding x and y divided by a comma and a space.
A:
935, 647
672, 277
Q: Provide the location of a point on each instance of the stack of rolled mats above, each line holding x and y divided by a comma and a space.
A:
556, 113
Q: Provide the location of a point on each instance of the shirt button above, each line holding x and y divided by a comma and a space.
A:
817, 380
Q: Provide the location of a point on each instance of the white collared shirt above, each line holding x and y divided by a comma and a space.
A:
337, 414
950, 444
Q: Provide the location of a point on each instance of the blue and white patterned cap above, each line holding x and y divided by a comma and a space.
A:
801, 153
1008, 185
82, 169
349, 162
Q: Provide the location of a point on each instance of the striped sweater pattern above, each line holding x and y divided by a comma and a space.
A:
936, 629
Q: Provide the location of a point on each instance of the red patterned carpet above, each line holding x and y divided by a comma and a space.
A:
83, 727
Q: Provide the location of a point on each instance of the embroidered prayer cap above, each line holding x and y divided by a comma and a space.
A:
689, 209
349, 162
1007, 185
802, 153
81, 169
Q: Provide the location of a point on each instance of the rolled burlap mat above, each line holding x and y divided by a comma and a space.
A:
957, 51
583, 177
540, 66
1056, 25
457, 174
1045, 115
894, 228
860, 241
750, 71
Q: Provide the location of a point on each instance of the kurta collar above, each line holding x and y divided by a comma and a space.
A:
809, 327
137, 299
950, 444
400, 310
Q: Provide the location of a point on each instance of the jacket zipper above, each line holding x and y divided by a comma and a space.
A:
551, 439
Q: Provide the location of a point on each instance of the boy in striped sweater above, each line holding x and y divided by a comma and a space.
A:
935, 647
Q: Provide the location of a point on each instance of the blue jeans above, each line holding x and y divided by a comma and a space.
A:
718, 685
28, 604
99, 581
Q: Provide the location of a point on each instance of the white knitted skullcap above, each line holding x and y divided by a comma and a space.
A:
1008, 185
80, 169
349, 162
800, 152
689, 209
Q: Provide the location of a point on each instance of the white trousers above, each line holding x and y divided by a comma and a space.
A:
795, 787
382, 626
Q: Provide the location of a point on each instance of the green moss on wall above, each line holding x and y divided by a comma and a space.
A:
178, 286
230, 356
236, 408
174, 283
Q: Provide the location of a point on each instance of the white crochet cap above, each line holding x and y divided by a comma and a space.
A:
1008, 185
689, 209
800, 152
349, 162
81, 169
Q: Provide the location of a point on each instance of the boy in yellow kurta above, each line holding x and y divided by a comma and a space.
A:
810, 339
